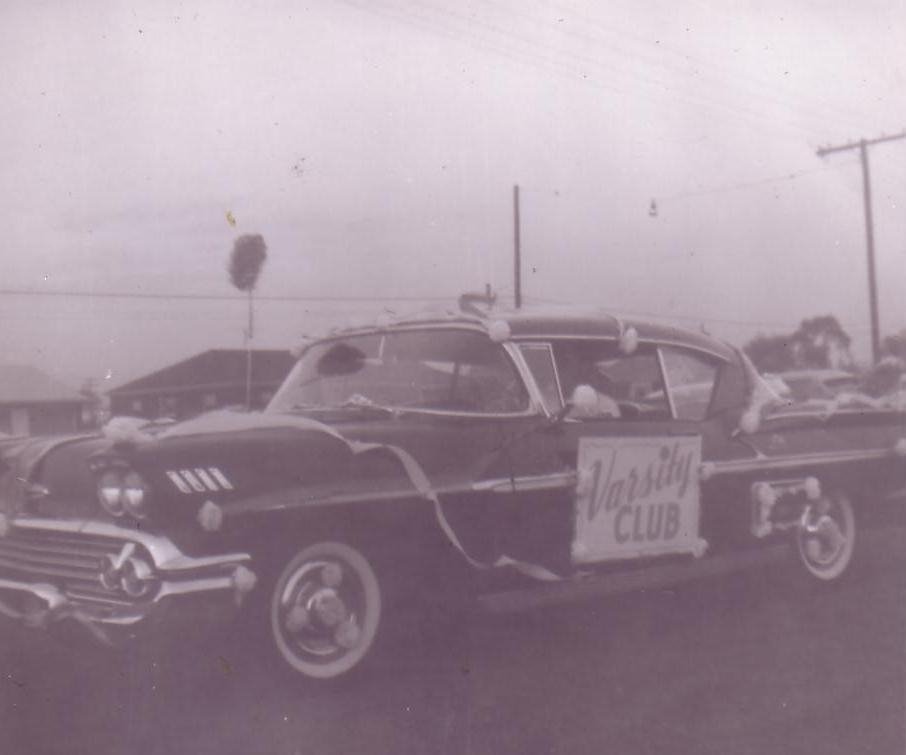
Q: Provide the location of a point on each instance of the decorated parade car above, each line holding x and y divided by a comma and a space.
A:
421, 458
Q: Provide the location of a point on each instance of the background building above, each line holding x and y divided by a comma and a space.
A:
33, 403
209, 380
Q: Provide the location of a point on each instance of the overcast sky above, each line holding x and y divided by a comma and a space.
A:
375, 146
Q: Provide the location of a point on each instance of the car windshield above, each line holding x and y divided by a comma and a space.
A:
437, 369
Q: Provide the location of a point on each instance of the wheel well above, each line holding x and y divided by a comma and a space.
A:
405, 530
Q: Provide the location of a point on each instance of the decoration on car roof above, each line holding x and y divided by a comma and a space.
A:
499, 331
629, 340
127, 430
628, 337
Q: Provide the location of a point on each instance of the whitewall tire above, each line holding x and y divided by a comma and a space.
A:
826, 537
325, 610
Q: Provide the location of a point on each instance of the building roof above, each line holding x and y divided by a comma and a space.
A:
212, 369
24, 384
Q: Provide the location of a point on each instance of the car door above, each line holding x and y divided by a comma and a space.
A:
633, 453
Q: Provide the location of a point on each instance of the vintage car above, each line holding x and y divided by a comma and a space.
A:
423, 457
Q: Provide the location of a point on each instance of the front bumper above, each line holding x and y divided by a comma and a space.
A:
108, 578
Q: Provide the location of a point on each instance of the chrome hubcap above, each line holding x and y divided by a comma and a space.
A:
824, 533
321, 609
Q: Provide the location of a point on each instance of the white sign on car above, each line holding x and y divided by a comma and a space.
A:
637, 496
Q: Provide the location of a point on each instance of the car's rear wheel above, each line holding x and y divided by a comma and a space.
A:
325, 610
826, 537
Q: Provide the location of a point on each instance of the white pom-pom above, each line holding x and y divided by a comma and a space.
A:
348, 634
297, 619
812, 488
706, 471
750, 421
244, 579
629, 340
584, 400
900, 447
699, 547
499, 331
126, 430
210, 516
765, 495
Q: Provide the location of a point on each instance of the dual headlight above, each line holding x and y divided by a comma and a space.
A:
122, 491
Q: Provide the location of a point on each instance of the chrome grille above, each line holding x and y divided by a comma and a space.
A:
72, 562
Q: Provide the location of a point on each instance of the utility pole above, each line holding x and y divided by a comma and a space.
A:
517, 252
862, 145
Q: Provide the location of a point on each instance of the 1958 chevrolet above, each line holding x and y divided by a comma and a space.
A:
418, 456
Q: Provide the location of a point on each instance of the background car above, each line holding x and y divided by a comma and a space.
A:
819, 383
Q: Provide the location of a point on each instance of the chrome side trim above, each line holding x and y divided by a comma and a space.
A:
527, 483
803, 460
824, 415
208, 584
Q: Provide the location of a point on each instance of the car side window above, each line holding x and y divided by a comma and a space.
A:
540, 360
690, 382
627, 386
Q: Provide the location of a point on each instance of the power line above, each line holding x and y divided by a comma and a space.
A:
663, 88
746, 184
735, 75
705, 69
557, 66
215, 297
862, 145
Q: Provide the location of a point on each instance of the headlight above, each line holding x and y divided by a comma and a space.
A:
110, 492
123, 491
134, 495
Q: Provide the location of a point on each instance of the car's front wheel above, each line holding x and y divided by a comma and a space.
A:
325, 610
826, 537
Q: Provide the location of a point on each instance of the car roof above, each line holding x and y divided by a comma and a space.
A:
540, 323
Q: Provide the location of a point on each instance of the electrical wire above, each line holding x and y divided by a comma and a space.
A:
557, 67
749, 184
662, 87
216, 297
768, 89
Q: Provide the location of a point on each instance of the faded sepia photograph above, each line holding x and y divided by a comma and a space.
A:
479, 377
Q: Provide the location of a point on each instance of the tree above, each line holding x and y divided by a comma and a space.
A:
817, 342
895, 345
247, 259
822, 342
